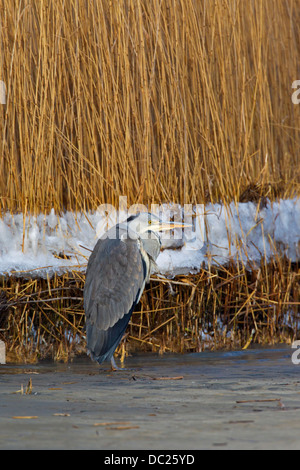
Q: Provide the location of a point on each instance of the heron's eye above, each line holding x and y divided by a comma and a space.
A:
149, 222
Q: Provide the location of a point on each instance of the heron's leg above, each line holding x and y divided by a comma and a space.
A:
114, 365
163, 278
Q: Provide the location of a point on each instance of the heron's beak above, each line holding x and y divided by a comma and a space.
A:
160, 227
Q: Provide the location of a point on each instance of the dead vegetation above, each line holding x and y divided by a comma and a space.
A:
185, 101
225, 307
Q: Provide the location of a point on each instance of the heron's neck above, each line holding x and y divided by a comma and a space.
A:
151, 244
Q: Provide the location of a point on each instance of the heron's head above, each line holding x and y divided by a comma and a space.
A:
147, 223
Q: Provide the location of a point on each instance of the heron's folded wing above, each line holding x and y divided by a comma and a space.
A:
115, 278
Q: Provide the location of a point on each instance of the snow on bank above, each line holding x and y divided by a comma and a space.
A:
48, 244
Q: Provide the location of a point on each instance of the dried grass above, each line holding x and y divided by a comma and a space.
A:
226, 307
186, 101
180, 101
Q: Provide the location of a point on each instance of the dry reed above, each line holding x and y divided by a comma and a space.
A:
181, 101
186, 101
225, 307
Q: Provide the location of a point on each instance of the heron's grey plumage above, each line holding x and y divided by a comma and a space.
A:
118, 269
112, 289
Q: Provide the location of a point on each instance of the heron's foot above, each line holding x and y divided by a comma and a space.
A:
114, 366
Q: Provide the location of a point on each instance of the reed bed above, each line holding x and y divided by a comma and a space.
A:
160, 100
183, 101
226, 307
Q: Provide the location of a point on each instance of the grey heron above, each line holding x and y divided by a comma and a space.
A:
117, 272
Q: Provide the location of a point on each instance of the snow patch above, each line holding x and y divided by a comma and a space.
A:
56, 243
